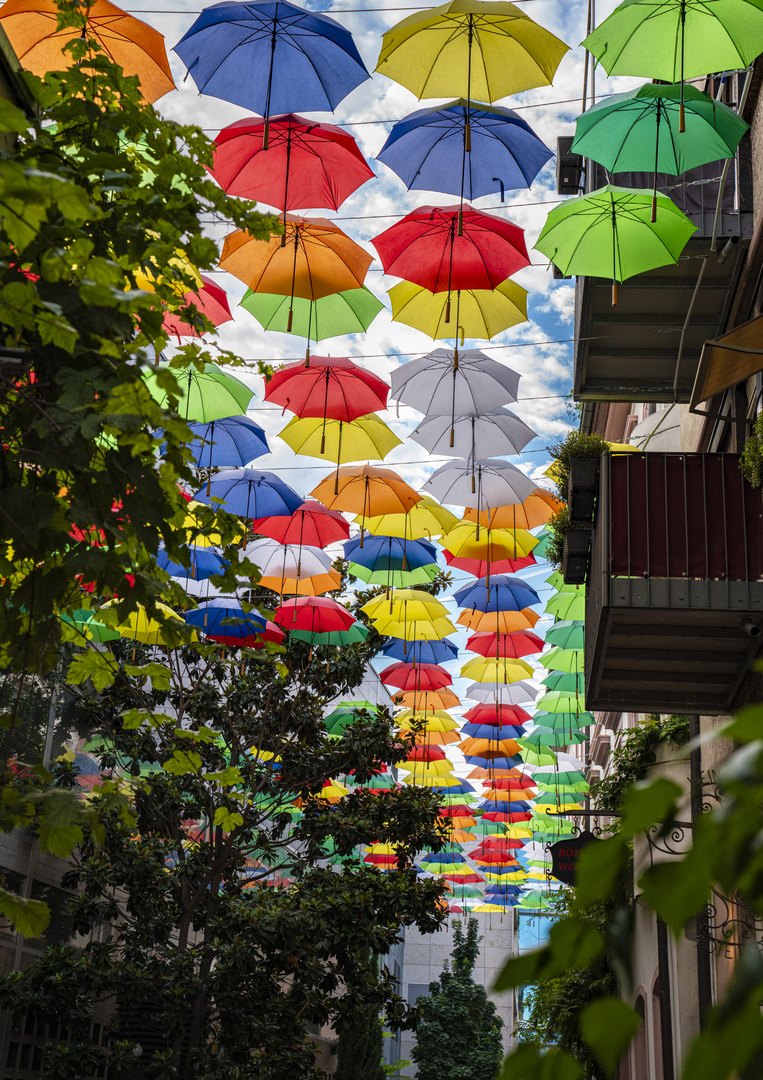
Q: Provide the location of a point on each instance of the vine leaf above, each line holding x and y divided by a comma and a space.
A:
608, 1026
530, 1063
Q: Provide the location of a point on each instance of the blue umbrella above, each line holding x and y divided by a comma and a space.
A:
421, 652
250, 494
493, 731
232, 441
501, 593
426, 150
272, 57
500, 888
494, 763
390, 553
211, 619
494, 806
203, 562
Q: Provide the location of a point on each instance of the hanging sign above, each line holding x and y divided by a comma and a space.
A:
565, 855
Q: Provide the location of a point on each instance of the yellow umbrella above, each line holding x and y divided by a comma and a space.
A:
496, 669
480, 313
469, 540
180, 274
140, 627
438, 720
433, 630
428, 768
365, 439
432, 781
192, 526
426, 518
410, 605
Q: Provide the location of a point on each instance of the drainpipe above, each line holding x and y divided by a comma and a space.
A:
704, 987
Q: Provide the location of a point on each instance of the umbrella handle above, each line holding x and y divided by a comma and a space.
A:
654, 207
447, 309
614, 292
266, 134
290, 318
307, 359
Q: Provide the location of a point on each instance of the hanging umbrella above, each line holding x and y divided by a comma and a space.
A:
515, 694
330, 388
498, 622
204, 395
502, 593
421, 652
557, 701
250, 494
365, 439
416, 676
210, 301
566, 635
291, 568
671, 40
484, 481
410, 605
610, 233
480, 313
427, 700
311, 524
426, 519
520, 643
140, 626
496, 670
567, 605
272, 57
311, 258
33, 31
85, 622
497, 715
481, 50
356, 634
348, 312
387, 560
474, 435
428, 152
569, 660
369, 492
417, 630
314, 614
469, 540
203, 562
444, 249
565, 681
224, 620
305, 165
433, 721
537, 509
230, 441
480, 568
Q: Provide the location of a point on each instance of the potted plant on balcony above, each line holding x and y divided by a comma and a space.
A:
574, 471
752, 455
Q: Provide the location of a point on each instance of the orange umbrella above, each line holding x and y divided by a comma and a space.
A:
498, 622
32, 27
311, 259
433, 738
315, 585
484, 747
537, 509
424, 701
368, 491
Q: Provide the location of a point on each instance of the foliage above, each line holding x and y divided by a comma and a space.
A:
359, 1049
752, 455
630, 761
576, 445
557, 527
458, 1009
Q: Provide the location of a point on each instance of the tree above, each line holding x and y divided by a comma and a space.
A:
458, 1034
360, 1048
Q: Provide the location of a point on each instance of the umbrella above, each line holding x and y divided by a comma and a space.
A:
497, 715
387, 560
469, 540
368, 492
481, 50
444, 249
410, 605
566, 635
496, 670
503, 593
558, 701
444, 383
315, 260
498, 622
224, 620
139, 626
331, 388
481, 568
315, 614
495, 482
480, 313
671, 40
348, 312
569, 660
426, 518
537, 509
567, 605
515, 694
427, 700
474, 435
250, 494
272, 57
428, 151
354, 636
364, 439
305, 165
204, 395
418, 652
610, 233
84, 620
414, 630
210, 301
436, 720
520, 643
311, 523
203, 562
291, 568
32, 28
230, 441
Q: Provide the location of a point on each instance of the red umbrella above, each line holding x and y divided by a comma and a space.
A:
465, 877
517, 644
512, 783
416, 676
456, 810
497, 714
211, 301
312, 524
331, 388
513, 817
316, 614
305, 165
480, 568
427, 248
426, 753
498, 843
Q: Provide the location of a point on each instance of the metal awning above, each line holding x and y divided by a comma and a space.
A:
728, 360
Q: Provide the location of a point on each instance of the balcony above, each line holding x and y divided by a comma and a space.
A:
674, 604
631, 352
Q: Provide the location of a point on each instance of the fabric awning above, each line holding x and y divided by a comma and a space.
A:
728, 360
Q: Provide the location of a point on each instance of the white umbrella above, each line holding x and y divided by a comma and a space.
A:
287, 560
513, 694
444, 383
482, 484
471, 435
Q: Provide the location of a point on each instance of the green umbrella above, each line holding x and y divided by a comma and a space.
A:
352, 636
557, 798
609, 233
546, 736
567, 605
570, 682
558, 701
394, 579
567, 635
569, 660
84, 620
564, 721
209, 394
536, 755
540, 551
349, 312
561, 776
671, 40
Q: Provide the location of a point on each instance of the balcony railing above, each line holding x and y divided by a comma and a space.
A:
675, 588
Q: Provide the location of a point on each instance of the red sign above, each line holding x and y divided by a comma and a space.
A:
565, 855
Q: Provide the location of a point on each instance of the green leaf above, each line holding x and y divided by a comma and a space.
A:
229, 820
600, 865
135, 718
159, 674
183, 762
12, 118
572, 943
648, 803
28, 917
677, 890
608, 1026
98, 667
531, 1063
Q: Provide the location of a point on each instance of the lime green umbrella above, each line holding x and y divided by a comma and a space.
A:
557, 798
394, 579
569, 682
546, 736
610, 233
348, 312
536, 755
84, 620
209, 394
567, 605
569, 660
558, 701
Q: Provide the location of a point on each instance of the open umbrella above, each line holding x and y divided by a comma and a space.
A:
426, 518
610, 233
230, 441
481, 568
315, 614
348, 312
516, 694
369, 491
32, 28
496, 670
311, 524
501, 593
480, 313
566, 635
520, 643
483, 483
498, 622
331, 387
416, 676
443, 383
474, 434
291, 568
209, 300
224, 620
536, 509
272, 57
250, 494
469, 540
419, 652
209, 394
367, 438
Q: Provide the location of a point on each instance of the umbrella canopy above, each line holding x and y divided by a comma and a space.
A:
416, 676
567, 605
305, 165
428, 152
84, 621
32, 28
394, 579
569, 660
479, 49
436, 720
427, 700
566, 635
315, 614
537, 509
368, 491
410, 605
497, 715
271, 56
311, 524
390, 552
520, 643
482, 568
348, 312
139, 626
203, 562
426, 248
224, 619
364, 439
331, 387
291, 568
480, 313
426, 519
610, 233
500, 670
516, 694
429, 630
469, 540
440, 382
485, 482
498, 622
210, 301
356, 634
474, 435
421, 652
250, 494
206, 395
501, 593
230, 441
